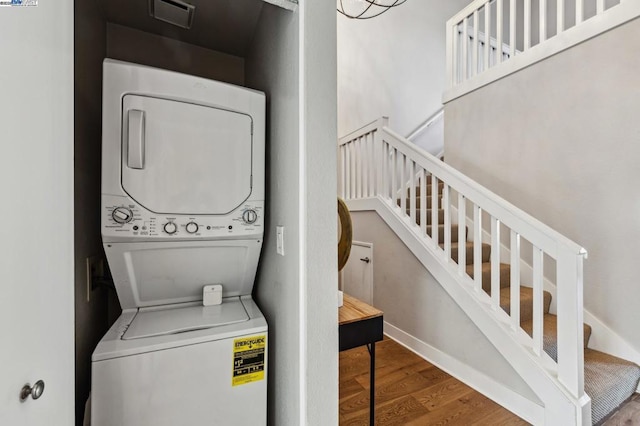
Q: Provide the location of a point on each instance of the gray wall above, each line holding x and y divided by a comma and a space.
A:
393, 65
128, 44
297, 291
560, 140
414, 301
90, 317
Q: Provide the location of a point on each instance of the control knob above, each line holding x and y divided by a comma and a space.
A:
249, 216
192, 227
170, 228
122, 215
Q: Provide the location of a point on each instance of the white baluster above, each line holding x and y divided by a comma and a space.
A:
560, 18
474, 63
527, 24
538, 317
579, 11
403, 184
512, 28
364, 154
412, 191
543, 20
372, 167
394, 175
599, 6
462, 222
454, 60
499, 36
450, 58
351, 174
515, 280
385, 170
495, 263
357, 168
423, 203
465, 49
447, 222
477, 247
487, 35
434, 211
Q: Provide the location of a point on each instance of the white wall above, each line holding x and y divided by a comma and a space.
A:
413, 301
291, 60
565, 149
393, 65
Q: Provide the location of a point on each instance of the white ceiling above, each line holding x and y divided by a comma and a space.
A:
223, 25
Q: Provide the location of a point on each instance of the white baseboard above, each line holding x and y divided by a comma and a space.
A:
512, 401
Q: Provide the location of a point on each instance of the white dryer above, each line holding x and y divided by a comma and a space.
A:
182, 208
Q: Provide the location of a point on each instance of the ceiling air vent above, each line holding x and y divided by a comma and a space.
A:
175, 12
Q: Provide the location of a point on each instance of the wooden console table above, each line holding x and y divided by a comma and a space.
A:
361, 324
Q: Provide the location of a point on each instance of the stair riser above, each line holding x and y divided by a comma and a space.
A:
505, 275
419, 203
428, 189
526, 303
486, 253
429, 221
454, 233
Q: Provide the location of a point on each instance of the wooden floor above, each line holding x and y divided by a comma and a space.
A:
410, 391
628, 414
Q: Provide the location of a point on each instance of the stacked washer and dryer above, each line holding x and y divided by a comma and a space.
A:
182, 227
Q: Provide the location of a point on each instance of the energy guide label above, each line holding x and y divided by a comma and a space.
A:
248, 359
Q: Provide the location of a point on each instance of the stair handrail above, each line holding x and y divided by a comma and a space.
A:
376, 162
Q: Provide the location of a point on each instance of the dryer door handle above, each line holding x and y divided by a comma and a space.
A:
135, 154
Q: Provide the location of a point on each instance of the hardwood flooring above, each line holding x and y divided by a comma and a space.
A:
628, 414
411, 391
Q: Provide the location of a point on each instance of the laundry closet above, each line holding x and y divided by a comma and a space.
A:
286, 52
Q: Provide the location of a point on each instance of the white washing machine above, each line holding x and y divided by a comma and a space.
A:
182, 216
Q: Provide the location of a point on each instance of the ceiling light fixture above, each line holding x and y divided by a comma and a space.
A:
366, 9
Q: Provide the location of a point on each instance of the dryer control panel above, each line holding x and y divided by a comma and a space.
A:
122, 218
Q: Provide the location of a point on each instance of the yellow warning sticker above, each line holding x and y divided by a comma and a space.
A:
248, 359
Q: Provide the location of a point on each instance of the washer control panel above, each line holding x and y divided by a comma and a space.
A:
123, 217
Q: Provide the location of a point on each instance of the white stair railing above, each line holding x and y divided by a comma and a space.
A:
375, 162
526, 33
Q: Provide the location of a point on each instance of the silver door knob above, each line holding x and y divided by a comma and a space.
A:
366, 260
34, 391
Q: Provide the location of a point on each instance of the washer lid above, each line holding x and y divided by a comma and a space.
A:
185, 158
165, 321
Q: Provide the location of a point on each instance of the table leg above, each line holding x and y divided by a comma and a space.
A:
372, 384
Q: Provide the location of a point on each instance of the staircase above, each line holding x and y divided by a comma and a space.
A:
609, 381
479, 258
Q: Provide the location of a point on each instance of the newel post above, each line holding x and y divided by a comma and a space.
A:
378, 149
570, 321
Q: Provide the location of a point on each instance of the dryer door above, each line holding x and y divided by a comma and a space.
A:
183, 158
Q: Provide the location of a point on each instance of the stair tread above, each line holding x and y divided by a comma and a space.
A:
609, 381
550, 334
